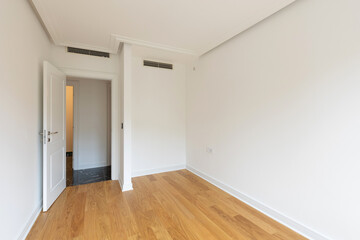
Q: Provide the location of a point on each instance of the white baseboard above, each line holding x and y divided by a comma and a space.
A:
272, 213
30, 223
92, 165
158, 170
125, 187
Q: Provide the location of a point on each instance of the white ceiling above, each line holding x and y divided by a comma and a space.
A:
185, 26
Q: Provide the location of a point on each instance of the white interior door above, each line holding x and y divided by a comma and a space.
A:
54, 134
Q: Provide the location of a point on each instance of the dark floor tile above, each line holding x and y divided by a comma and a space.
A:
69, 171
84, 176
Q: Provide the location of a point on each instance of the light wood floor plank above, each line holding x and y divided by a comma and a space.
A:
171, 206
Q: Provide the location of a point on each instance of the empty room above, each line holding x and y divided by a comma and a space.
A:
180, 120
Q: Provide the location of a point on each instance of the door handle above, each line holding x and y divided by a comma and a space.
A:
49, 133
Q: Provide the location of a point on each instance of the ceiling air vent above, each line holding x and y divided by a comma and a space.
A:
88, 52
157, 64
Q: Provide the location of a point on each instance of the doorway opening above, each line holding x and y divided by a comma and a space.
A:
88, 131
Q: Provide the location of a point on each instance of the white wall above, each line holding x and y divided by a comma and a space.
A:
280, 107
125, 101
62, 59
92, 99
23, 46
158, 109
77, 65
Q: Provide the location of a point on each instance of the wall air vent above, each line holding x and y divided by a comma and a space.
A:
88, 52
157, 64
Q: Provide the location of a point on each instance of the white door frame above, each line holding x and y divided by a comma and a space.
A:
115, 112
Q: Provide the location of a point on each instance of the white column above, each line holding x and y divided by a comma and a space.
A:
125, 77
